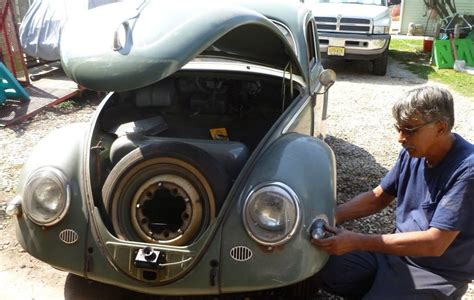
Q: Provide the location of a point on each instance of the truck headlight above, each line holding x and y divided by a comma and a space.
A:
381, 29
46, 196
271, 213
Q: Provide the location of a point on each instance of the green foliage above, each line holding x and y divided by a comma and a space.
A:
410, 53
68, 104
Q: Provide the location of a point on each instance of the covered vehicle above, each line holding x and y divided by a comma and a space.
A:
40, 28
204, 169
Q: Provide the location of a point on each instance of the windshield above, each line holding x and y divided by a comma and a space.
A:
370, 2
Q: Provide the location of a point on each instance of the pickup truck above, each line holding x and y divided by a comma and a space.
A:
353, 29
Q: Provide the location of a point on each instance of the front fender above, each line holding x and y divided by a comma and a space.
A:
61, 149
307, 166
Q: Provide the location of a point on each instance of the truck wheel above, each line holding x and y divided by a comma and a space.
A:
380, 64
164, 194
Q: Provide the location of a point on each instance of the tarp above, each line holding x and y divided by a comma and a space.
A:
41, 27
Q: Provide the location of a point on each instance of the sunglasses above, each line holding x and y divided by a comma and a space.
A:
412, 130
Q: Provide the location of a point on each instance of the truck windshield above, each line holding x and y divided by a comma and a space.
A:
370, 2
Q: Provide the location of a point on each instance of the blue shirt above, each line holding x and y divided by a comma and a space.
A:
440, 197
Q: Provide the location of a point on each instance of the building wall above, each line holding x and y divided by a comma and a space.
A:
415, 11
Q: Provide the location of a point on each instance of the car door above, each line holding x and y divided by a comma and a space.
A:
317, 93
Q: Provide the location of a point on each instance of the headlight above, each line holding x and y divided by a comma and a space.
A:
271, 213
381, 29
46, 196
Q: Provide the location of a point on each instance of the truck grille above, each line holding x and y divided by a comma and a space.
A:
326, 19
326, 27
344, 24
354, 20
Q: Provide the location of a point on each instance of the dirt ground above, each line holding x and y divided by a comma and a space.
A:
24, 277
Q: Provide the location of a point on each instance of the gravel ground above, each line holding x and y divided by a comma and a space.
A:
360, 131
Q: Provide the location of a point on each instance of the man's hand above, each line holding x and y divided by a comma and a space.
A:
340, 243
431, 242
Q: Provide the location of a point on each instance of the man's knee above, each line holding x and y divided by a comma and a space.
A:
349, 275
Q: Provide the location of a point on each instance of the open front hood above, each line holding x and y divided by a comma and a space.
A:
349, 10
119, 46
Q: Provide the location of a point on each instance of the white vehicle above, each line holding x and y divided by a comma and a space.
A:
354, 29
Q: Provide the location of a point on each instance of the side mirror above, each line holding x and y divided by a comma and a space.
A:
327, 78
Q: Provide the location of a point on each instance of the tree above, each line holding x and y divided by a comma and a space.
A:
444, 8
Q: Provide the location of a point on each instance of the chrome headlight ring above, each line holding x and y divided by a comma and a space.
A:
271, 213
46, 196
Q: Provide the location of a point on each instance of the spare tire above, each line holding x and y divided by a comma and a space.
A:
165, 193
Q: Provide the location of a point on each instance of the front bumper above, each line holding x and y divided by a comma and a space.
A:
356, 46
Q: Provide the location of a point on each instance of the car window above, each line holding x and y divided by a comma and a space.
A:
311, 43
316, 40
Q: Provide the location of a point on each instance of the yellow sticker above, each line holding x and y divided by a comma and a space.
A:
219, 134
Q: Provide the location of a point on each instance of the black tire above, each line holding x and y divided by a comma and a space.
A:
165, 193
380, 64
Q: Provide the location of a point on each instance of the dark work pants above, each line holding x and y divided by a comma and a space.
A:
366, 275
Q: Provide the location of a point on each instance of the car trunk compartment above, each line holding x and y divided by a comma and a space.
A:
178, 145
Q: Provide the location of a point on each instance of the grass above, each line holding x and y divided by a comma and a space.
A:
410, 53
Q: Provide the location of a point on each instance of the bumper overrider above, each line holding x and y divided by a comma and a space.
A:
356, 46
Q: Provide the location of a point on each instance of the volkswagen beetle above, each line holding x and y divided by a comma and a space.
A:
204, 169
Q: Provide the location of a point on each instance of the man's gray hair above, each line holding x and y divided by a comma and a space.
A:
429, 103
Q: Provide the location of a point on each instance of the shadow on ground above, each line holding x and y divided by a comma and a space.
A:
360, 71
78, 288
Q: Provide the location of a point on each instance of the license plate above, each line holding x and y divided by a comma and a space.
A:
337, 51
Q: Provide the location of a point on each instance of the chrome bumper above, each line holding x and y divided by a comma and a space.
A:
356, 44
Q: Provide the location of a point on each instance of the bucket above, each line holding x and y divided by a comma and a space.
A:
427, 44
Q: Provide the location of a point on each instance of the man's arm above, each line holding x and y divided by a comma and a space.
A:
432, 242
363, 205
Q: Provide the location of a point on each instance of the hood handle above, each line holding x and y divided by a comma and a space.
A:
121, 40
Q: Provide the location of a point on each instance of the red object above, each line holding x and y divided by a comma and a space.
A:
11, 53
428, 44
395, 11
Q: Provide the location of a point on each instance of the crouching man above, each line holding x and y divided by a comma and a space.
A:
431, 254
